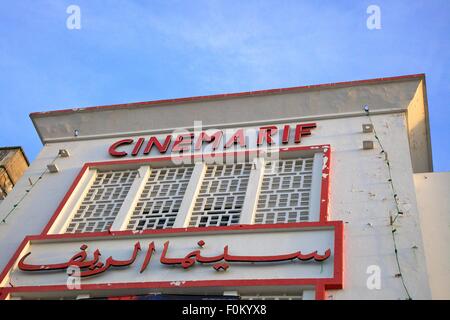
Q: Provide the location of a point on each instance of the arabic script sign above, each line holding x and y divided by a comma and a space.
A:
222, 261
177, 257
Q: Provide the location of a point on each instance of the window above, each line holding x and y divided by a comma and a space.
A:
285, 191
221, 196
161, 198
102, 202
162, 195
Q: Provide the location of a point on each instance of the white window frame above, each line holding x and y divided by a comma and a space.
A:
68, 208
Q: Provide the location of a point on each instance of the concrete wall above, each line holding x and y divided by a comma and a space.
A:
433, 190
360, 195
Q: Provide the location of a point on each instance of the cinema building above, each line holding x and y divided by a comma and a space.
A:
310, 192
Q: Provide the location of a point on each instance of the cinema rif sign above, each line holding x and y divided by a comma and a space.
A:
302, 254
214, 139
221, 262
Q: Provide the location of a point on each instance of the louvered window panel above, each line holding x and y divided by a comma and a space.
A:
161, 198
221, 196
285, 191
102, 202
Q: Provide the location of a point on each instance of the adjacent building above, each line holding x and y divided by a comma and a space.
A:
13, 163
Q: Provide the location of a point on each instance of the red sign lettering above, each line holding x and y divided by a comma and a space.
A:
188, 142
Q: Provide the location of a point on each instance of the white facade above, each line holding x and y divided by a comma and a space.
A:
326, 183
432, 190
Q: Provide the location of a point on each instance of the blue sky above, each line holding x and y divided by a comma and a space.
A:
130, 51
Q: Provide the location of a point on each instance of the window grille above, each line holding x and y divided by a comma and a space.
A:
160, 201
284, 196
102, 202
221, 195
285, 191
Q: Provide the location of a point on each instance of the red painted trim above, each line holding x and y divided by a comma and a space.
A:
325, 190
320, 292
228, 95
239, 227
339, 259
338, 282
165, 284
319, 283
